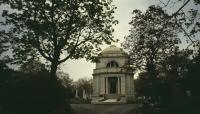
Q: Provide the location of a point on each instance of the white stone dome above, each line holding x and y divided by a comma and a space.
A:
113, 50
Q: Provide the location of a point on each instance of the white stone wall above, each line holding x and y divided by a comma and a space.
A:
129, 85
96, 86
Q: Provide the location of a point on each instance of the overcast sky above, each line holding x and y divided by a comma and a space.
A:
82, 68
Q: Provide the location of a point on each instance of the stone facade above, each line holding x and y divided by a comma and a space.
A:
112, 78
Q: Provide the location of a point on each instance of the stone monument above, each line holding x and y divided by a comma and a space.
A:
112, 77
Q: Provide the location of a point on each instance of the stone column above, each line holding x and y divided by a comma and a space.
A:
107, 85
132, 86
94, 86
76, 94
118, 85
123, 88
102, 86
84, 94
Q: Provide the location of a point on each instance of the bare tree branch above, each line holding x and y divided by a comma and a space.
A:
165, 4
174, 14
45, 50
43, 54
75, 46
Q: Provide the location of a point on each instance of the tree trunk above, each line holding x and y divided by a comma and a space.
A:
54, 66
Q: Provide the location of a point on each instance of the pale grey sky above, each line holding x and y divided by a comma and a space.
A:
82, 68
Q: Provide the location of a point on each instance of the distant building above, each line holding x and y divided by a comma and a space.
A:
113, 77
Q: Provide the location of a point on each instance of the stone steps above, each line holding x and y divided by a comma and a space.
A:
110, 101
112, 96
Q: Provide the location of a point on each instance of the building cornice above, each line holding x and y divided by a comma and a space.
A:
118, 70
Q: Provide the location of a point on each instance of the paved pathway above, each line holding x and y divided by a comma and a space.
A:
103, 109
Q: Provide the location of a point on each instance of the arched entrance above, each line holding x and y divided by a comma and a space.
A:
112, 85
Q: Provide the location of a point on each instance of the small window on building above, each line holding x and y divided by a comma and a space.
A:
112, 64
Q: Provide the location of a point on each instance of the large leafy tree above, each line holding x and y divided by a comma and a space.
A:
3, 48
152, 36
33, 67
51, 28
4, 69
175, 65
192, 79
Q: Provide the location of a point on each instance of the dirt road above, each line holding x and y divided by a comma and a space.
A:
103, 109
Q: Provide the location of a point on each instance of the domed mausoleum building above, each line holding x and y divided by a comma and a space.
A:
113, 77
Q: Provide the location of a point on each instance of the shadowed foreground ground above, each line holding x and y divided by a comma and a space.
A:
103, 109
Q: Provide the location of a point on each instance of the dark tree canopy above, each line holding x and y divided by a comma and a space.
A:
51, 28
152, 36
175, 65
32, 67
3, 41
4, 47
